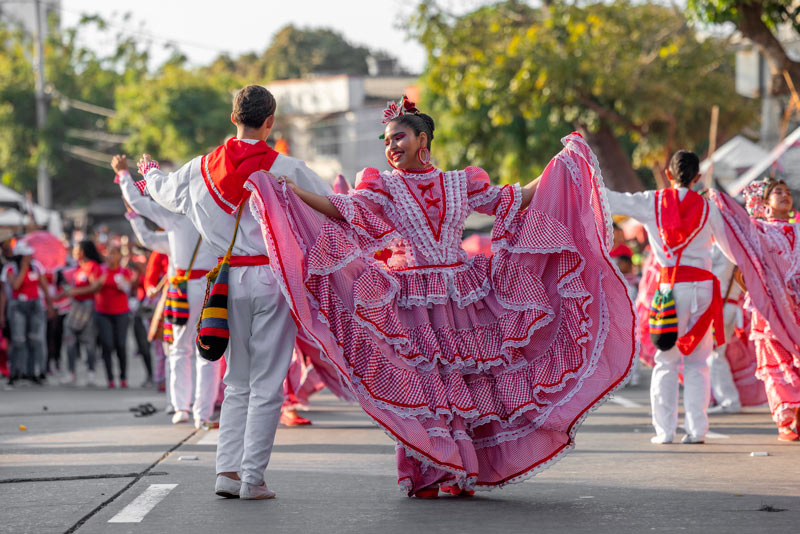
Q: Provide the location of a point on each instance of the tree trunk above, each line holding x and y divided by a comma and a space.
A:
752, 26
618, 173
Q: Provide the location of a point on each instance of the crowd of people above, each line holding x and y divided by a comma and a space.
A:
78, 306
104, 296
482, 365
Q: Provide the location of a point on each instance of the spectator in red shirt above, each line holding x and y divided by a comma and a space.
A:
80, 325
140, 314
111, 304
155, 271
56, 286
25, 279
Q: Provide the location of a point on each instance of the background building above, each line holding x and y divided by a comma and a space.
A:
333, 123
23, 12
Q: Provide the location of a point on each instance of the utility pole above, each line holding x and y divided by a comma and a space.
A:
43, 188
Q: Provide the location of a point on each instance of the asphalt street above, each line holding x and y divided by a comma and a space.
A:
84, 463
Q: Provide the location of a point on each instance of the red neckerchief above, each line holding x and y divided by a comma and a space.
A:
226, 169
679, 221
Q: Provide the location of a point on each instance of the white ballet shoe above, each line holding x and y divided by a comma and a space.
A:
692, 440
227, 487
661, 440
249, 492
180, 417
719, 408
201, 424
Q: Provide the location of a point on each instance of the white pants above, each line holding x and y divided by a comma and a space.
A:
722, 385
262, 337
183, 356
691, 300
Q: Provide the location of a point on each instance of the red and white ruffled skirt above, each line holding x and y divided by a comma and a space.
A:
481, 372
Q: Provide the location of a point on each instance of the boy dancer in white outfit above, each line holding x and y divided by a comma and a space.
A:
680, 225
209, 190
183, 353
722, 384
157, 241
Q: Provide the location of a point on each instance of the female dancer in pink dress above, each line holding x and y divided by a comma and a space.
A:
480, 369
767, 250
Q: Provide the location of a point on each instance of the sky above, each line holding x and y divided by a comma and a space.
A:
203, 29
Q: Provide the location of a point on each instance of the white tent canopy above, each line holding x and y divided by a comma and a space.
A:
15, 212
733, 159
764, 163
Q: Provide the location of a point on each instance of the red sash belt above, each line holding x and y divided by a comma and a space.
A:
732, 301
194, 275
689, 341
248, 261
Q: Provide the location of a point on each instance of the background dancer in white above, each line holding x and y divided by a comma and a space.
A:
680, 225
182, 238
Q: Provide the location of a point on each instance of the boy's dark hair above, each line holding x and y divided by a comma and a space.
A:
252, 105
684, 166
419, 122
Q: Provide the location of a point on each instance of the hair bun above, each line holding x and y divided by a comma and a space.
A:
428, 121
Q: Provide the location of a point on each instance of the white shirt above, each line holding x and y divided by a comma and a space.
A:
181, 234
154, 240
184, 191
642, 208
723, 270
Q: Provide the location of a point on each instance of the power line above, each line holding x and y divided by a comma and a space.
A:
78, 104
96, 135
148, 36
88, 155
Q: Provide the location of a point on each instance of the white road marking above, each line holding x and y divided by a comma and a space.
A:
714, 435
625, 402
210, 438
141, 505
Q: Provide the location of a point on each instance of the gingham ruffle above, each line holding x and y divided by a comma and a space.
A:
147, 167
141, 185
411, 311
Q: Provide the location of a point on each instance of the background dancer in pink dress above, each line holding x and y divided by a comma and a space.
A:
774, 240
481, 369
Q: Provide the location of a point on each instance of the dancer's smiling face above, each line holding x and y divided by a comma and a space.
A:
780, 200
402, 146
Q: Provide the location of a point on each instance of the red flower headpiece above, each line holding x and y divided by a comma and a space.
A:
395, 109
754, 198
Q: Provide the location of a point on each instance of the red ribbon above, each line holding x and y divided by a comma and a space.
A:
248, 261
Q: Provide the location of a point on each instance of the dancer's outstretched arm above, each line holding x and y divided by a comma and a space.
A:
528, 191
318, 202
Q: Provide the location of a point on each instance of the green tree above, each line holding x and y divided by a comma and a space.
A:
174, 113
758, 20
508, 80
72, 138
18, 140
296, 53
